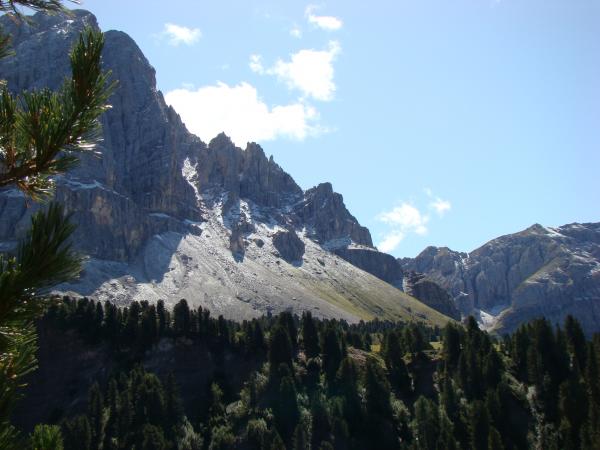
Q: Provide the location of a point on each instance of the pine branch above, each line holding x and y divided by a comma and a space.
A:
44, 259
40, 130
16, 362
48, 6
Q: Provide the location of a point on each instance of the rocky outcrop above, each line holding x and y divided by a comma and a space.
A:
162, 215
550, 272
153, 176
431, 293
121, 198
382, 265
289, 245
324, 212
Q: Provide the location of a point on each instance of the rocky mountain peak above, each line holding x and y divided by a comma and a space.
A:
539, 271
325, 212
163, 215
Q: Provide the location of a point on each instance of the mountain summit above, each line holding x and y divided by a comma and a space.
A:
163, 215
538, 272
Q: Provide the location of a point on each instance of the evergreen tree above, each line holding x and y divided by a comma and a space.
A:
174, 412
347, 382
310, 336
96, 415
162, 317
321, 422
149, 327
300, 440
40, 132
287, 321
46, 437
426, 427
332, 353
576, 341
451, 345
398, 373
152, 438
280, 349
77, 434
287, 412
479, 425
495, 440
181, 318
257, 434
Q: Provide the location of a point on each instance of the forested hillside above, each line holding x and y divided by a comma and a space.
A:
145, 377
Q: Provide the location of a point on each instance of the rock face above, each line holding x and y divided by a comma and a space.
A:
289, 245
382, 265
161, 214
431, 293
550, 272
325, 213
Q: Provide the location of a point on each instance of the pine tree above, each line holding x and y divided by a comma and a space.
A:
96, 415
300, 440
393, 356
332, 353
310, 336
576, 341
280, 349
162, 317
321, 422
286, 320
495, 440
347, 382
181, 318
479, 425
149, 327
111, 429
451, 345
426, 425
377, 388
46, 437
152, 438
287, 412
77, 434
174, 412
40, 133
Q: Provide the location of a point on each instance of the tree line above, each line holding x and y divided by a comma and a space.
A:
327, 384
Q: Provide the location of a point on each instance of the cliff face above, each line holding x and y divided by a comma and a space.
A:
540, 271
431, 293
163, 215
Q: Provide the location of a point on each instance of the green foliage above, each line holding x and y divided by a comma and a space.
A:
46, 437
478, 400
41, 130
310, 335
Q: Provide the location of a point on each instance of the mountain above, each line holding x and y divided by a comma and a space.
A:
162, 215
541, 271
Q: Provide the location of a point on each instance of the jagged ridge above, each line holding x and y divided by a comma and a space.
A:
163, 215
549, 272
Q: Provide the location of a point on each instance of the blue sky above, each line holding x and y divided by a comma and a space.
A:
441, 122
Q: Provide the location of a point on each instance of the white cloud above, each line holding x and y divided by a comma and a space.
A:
440, 206
309, 71
241, 114
402, 219
437, 204
390, 241
406, 217
296, 32
329, 23
178, 34
256, 64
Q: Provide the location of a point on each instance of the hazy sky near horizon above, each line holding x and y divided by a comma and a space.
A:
441, 122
